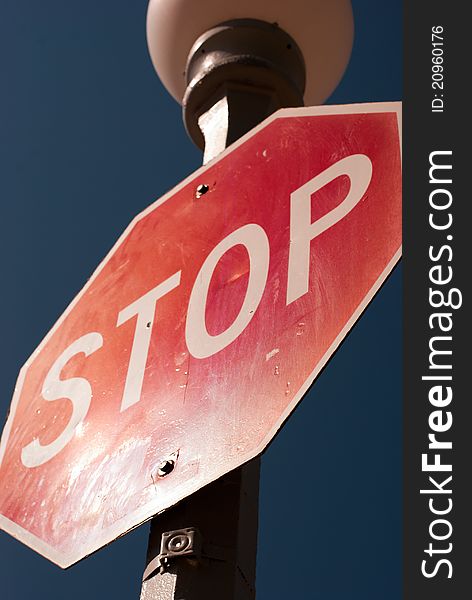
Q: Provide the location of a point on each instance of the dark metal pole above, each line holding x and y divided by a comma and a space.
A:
238, 73
220, 522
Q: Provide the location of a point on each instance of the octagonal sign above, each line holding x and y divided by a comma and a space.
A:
202, 328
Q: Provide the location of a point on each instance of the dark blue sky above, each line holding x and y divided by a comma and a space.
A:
88, 138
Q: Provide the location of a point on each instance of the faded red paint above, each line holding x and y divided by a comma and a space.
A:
220, 411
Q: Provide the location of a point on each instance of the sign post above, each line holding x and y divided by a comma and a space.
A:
223, 101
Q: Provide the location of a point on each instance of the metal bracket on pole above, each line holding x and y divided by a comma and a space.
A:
175, 544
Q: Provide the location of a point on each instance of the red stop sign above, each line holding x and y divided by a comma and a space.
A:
203, 327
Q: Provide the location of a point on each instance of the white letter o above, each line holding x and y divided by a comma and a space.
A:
200, 343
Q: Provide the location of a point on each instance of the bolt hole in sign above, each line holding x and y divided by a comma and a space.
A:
203, 327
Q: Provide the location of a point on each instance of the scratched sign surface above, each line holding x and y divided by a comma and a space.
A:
202, 328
